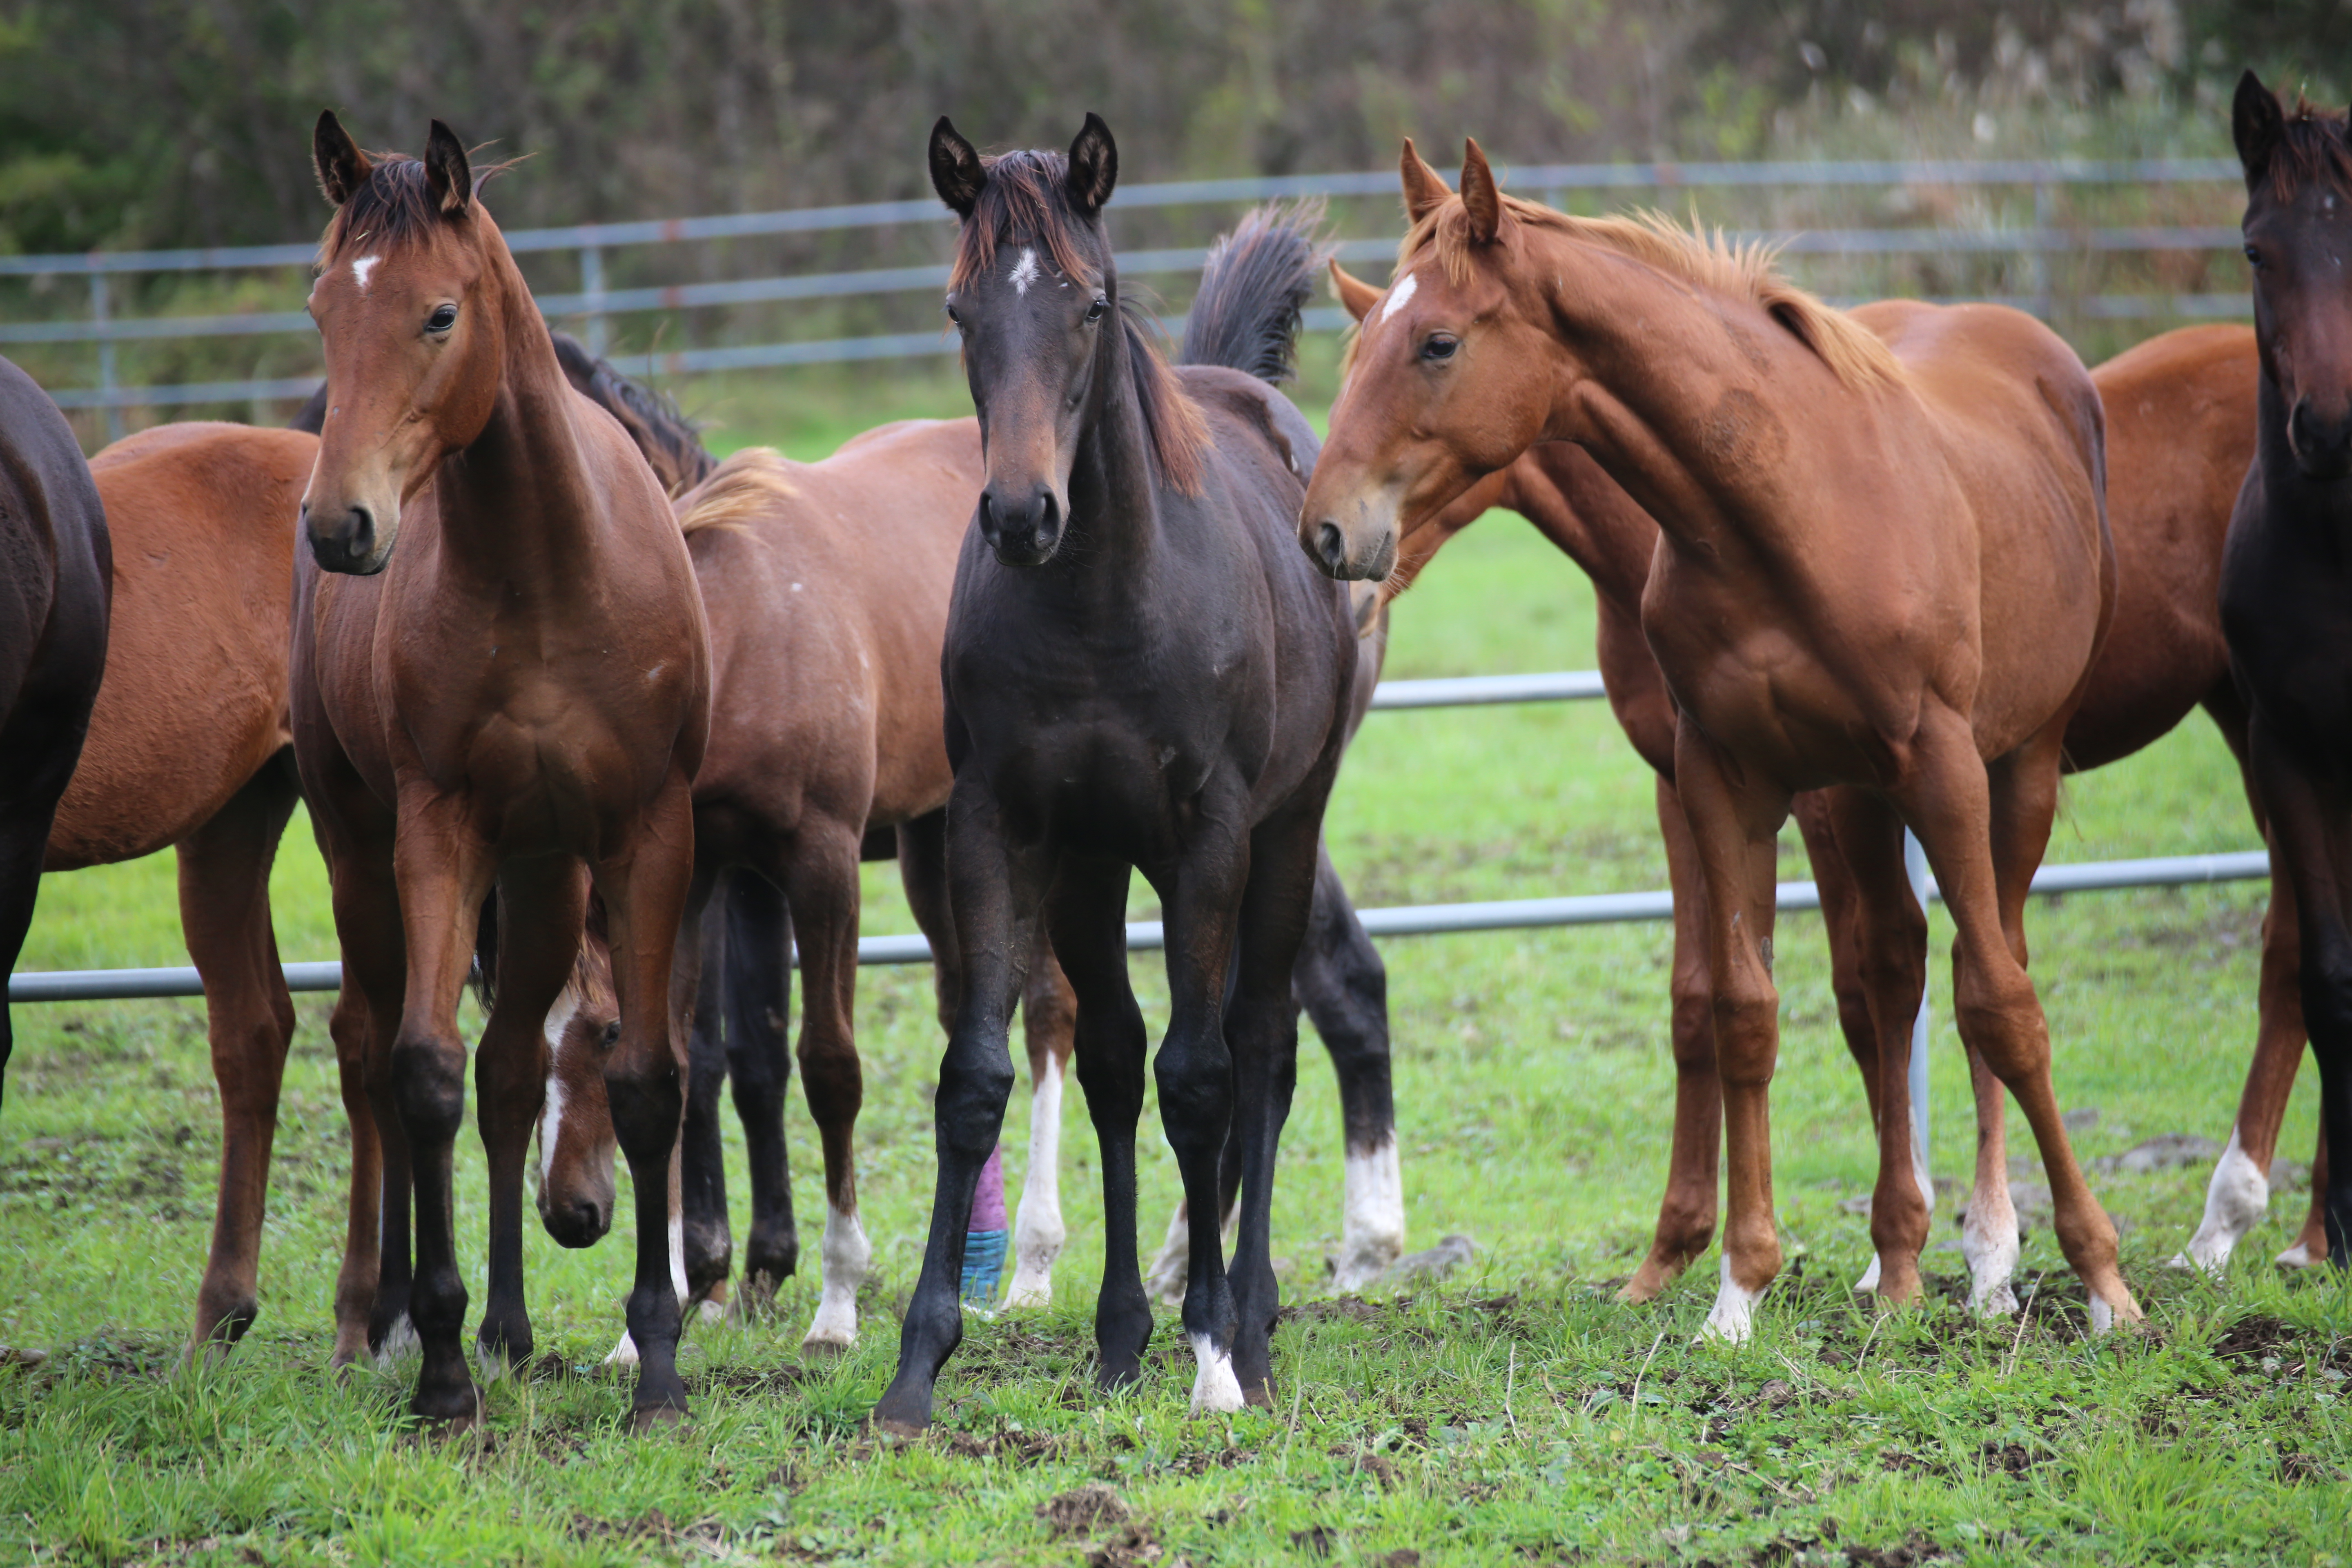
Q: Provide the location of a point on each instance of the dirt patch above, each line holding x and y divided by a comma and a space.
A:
1337, 1309
2299, 1470
1402, 1557
1317, 1539
1083, 1510
1130, 1548
745, 1380
1018, 1448
2251, 1339
2009, 1459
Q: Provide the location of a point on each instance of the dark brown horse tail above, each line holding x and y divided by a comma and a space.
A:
666, 437
1258, 279
484, 977
313, 417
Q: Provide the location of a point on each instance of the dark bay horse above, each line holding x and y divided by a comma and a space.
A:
825, 586
1140, 674
520, 692
2180, 431
1860, 516
54, 597
2286, 578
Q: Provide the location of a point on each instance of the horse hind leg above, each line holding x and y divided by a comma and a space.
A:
1049, 1017
822, 885
249, 1019
758, 999
1341, 982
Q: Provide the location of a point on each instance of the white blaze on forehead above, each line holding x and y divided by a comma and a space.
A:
361, 267
1398, 294
1024, 272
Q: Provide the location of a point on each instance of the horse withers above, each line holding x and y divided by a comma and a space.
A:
1140, 674
2287, 574
54, 602
1884, 569
499, 674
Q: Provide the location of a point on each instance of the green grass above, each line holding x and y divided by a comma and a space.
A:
1512, 1412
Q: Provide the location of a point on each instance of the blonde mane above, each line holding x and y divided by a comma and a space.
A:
1707, 259
745, 486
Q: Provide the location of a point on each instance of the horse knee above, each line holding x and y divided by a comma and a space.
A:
428, 1086
1691, 1021
1196, 1096
1744, 1035
647, 1104
972, 1095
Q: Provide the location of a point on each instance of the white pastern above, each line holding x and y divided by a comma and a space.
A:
1215, 1386
626, 1352
1037, 1231
2296, 1257
1398, 292
1164, 1282
1988, 1241
1024, 272
846, 1253
493, 1364
1733, 1316
361, 267
1869, 1280
2235, 1202
711, 1311
1371, 1224
401, 1341
2103, 1317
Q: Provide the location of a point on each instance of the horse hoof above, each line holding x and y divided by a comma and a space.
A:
896, 1431
446, 1416
655, 1418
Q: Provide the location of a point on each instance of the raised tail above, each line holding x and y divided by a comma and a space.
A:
1258, 279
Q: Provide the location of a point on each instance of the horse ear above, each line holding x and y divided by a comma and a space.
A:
1425, 187
1357, 295
1479, 194
2258, 125
342, 167
1094, 166
956, 172
446, 174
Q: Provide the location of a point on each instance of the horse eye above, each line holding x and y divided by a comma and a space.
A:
954, 317
442, 319
612, 1034
1094, 311
2254, 255
1441, 346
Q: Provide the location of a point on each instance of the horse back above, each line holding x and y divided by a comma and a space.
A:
204, 518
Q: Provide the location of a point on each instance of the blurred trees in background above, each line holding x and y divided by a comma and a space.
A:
154, 122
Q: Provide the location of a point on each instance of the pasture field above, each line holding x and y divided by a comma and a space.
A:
1510, 1411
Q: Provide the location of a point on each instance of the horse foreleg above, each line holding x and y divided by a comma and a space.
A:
443, 874
698, 970
760, 1071
995, 889
249, 1019
1686, 1225
823, 890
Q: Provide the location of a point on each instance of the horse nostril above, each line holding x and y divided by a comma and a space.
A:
1331, 545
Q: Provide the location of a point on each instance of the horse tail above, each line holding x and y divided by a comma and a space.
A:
484, 978
1258, 280
665, 435
748, 484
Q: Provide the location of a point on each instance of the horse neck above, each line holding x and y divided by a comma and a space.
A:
519, 506
2312, 517
1114, 491
1702, 430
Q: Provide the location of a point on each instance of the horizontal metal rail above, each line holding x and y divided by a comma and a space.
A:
1407, 920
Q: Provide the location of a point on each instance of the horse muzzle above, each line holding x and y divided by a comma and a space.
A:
1023, 529
576, 1221
2322, 443
1352, 560
350, 542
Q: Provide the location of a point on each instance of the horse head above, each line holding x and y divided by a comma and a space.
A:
2298, 236
410, 300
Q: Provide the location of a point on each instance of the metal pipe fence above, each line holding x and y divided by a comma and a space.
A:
1407, 919
594, 304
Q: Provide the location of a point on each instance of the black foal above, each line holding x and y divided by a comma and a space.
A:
1142, 672
2286, 572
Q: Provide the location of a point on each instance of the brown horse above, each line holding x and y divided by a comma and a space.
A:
523, 689
1860, 516
2179, 434
53, 640
188, 747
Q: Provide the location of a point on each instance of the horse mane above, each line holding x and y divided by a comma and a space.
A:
1696, 255
2314, 145
665, 435
1023, 201
394, 206
739, 490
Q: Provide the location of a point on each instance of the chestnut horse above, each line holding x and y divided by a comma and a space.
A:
1859, 515
2180, 428
2287, 585
53, 641
1140, 674
188, 747
523, 689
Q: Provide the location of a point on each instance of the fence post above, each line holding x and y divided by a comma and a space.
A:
1914, 864
592, 284
97, 314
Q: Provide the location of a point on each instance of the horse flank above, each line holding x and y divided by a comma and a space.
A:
1696, 255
